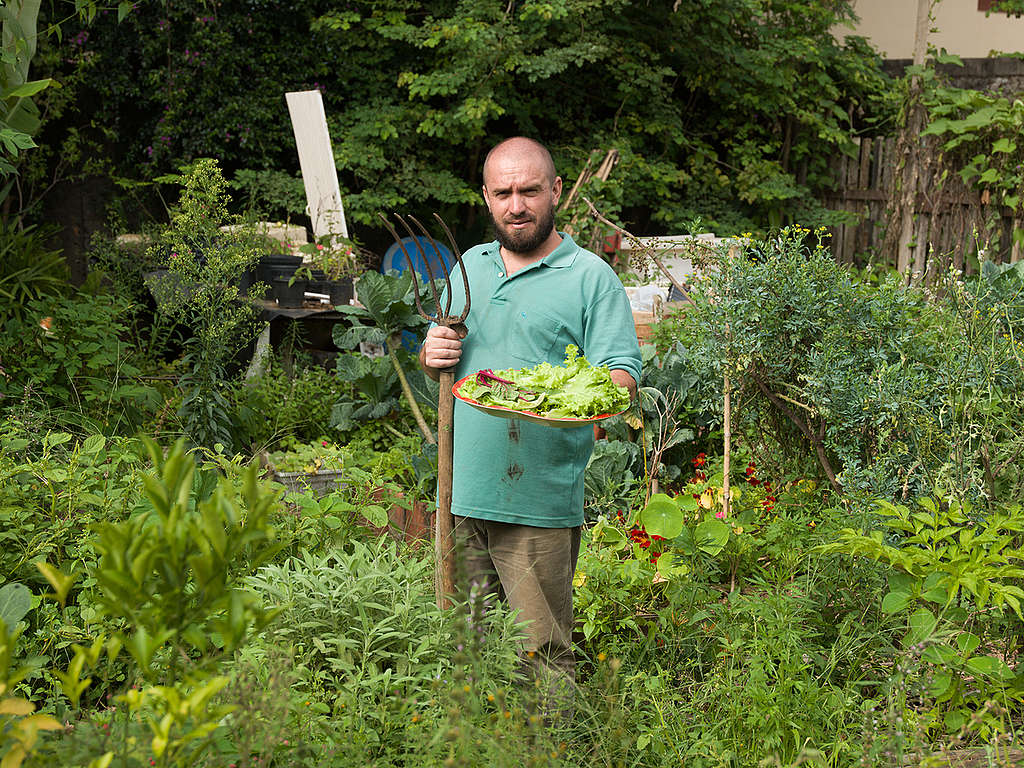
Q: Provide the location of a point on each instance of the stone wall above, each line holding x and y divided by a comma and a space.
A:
1003, 75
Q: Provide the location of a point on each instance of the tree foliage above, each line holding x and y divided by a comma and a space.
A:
729, 110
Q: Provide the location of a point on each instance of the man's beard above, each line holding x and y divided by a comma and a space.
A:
526, 241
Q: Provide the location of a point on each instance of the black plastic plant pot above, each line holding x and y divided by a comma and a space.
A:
274, 264
289, 295
339, 290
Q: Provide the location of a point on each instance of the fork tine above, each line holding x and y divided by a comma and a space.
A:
426, 263
462, 266
408, 260
444, 268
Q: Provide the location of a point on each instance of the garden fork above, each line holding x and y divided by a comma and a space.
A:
444, 550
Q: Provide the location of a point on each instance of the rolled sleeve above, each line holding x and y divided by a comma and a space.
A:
610, 334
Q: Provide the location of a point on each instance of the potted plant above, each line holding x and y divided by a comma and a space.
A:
334, 256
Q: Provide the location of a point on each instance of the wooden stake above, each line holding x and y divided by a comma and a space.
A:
727, 446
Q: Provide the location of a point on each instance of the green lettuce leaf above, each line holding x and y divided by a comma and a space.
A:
574, 390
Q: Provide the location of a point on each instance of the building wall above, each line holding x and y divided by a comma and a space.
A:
958, 26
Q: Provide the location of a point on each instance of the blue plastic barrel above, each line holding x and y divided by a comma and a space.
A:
438, 255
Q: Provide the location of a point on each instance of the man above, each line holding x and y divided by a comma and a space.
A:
517, 494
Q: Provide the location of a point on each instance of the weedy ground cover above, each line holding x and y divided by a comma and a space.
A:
174, 607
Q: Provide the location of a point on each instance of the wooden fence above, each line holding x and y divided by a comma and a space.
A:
952, 220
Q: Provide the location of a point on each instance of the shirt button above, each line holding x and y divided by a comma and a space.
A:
501, 274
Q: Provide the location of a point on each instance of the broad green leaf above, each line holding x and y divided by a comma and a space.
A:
686, 502
711, 536
662, 517
939, 654
607, 534
15, 602
94, 444
941, 683
669, 566
967, 643
989, 666
894, 602
1004, 145
922, 623
376, 515
31, 88
990, 176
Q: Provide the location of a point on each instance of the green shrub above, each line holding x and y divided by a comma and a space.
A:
369, 641
277, 405
72, 355
29, 270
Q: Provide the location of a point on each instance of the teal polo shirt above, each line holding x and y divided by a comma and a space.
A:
511, 470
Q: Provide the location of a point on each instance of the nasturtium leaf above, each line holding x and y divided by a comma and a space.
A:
711, 536
669, 566
686, 502
662, 517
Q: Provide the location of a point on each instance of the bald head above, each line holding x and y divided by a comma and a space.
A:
521, 150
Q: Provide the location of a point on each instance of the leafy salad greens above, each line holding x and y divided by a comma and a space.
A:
575, 390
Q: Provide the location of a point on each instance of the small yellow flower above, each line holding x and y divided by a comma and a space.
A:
415, 718
601, 656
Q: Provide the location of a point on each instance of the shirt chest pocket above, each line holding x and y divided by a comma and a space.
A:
535, 337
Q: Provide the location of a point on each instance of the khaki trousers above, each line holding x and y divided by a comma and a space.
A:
531, 569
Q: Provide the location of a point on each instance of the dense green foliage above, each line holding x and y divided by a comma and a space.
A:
415, 94
889, 392
853, 599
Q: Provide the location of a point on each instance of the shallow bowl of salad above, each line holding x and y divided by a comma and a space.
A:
573, 395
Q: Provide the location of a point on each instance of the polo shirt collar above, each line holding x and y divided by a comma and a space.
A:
563, 256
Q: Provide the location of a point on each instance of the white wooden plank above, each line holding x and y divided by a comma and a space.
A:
316, 159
